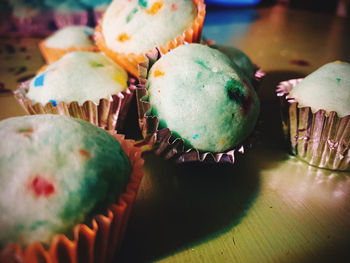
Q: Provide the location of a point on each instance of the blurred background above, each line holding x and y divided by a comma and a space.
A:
41, 17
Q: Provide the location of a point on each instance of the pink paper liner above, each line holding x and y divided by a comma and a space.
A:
319, 138
33, 26
162, 143
97, 243
107, 114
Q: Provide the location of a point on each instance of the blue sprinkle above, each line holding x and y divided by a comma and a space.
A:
39, 81
54, 103
195, 136
128, 83
88, 32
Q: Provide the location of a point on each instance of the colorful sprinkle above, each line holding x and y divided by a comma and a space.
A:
96, 64
222, 141
54, 103
123, 37
88, 32
199, 62
158, 90
143, 3
84, 153
195, 136
155, 8
131, 15
39, 81
26, 132
42, 187
174, 7
119, 78
158, 73
338, 79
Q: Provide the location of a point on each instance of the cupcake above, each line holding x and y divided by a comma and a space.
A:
203, 98
68, 12
85, 85
49, 203
316, 116
65, 40
132, 31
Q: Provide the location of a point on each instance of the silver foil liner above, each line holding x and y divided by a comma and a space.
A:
109, 114
318, 138
162, 143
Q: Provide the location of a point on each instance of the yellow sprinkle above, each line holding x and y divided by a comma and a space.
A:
338, 62
123, 37
121, 79
158, 73
222, 141
155, 8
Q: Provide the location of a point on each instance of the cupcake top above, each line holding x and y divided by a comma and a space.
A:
327, 88
71, 36
201, 96
78, 76
137, 26
49, 167
238, 57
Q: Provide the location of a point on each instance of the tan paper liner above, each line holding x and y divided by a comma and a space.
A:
132, 61
318, 138
161, 141
98, 243
52, 54
107, 114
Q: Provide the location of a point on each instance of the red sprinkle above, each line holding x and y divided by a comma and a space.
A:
42, 186
174, 7
84, 153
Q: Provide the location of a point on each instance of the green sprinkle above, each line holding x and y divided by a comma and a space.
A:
131, 14
199, 75
202, 64
338, 79
96, 64
143, 3
37, 224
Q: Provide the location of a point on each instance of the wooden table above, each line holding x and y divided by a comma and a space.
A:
269, 206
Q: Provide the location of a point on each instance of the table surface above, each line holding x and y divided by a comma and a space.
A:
268, 206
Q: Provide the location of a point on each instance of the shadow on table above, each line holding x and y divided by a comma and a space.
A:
179, 206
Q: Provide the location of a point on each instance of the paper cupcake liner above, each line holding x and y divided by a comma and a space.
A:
132, 61
52, 54
97, 243
162, 142
72, 18
319, 138
107, 114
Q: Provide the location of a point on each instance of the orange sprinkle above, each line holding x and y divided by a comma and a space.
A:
155, 8
158, 73
158, 90
222, 141
123, 37
84, 153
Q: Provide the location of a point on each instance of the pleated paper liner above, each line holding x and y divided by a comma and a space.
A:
131, 61
319, 138
109, 114
97, 243
162, 143
52, 54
